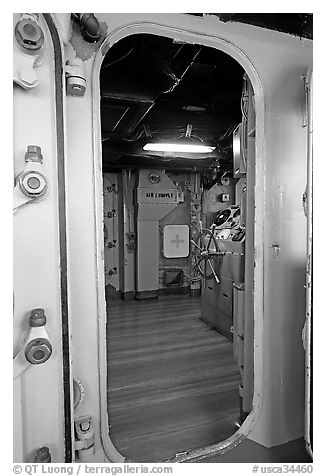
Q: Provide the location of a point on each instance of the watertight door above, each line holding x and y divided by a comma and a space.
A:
307, 332
42, 381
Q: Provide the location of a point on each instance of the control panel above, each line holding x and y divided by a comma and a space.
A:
226, 225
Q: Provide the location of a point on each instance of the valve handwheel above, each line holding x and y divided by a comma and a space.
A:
205, 248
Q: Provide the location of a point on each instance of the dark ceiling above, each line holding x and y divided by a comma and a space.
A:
298, 24
153, 87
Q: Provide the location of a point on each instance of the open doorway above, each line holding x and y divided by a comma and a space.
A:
178, 231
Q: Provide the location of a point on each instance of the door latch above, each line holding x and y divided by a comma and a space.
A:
85, 438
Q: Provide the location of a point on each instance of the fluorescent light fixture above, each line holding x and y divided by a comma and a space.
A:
188, 148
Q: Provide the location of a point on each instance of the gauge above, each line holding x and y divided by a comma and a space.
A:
222, 216
154, 177
224, 234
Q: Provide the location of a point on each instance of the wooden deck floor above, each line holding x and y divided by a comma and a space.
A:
172, 381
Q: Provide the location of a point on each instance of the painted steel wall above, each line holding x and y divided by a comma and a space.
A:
38, 392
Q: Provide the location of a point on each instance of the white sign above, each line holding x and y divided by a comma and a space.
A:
176, 241
150, 195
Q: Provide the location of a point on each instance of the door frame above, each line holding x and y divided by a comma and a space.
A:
307, 331
259, 194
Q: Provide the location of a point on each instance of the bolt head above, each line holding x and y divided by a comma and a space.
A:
76, 86
37, 318
29, 34
28, 186
38, 351
29, 76
34, 183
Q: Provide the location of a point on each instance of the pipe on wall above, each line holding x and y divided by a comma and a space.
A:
90, 26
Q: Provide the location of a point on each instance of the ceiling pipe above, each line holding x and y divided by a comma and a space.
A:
179, 74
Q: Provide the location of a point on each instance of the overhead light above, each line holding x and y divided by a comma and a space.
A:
194, 108
177, 147
185, 143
